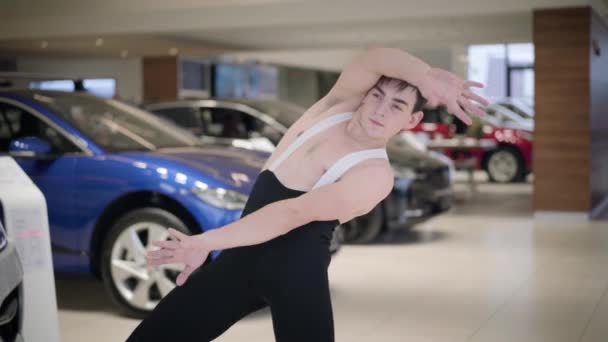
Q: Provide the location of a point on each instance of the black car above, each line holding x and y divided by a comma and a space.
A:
422, 178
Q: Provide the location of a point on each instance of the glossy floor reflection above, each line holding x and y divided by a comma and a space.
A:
485, 272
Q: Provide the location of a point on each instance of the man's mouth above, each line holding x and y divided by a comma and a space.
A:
376, 123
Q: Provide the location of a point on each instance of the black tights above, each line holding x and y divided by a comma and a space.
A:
289, 274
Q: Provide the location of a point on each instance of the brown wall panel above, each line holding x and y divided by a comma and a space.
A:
562, 122
160, 79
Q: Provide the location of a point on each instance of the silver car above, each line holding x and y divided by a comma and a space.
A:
224, 123
11, 301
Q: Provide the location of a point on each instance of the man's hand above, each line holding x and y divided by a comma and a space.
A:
442, 87
183, 249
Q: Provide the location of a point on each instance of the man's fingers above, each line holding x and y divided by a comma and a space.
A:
161, 253
459, 113
183, 276
169, 244
179, 236
475, 84
472, 96
470, 107
159, 261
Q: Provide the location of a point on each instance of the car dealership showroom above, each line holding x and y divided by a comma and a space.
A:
439, 170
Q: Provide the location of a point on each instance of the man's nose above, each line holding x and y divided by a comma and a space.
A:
382, 108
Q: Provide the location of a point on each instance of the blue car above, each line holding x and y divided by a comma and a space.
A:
115, 178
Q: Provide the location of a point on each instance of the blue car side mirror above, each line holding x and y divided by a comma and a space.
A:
30, 147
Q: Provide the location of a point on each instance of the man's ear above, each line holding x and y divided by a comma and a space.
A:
413, 121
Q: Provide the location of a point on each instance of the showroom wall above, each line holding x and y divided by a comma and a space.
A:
298, 85
336, 59
599, 115
126, 71
304, 75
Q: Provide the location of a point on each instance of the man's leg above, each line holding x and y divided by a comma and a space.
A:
212, 300
300, 304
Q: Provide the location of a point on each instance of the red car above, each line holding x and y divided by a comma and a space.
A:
509, 161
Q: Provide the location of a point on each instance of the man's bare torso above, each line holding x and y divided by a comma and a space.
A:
306, 165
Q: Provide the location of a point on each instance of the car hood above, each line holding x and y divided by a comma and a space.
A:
233, 167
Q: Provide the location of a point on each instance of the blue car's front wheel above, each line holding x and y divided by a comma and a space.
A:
135, 288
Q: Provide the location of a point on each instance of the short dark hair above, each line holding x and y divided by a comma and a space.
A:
402, 85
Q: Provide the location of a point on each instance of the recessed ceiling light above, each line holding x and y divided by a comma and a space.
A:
99, 42
173, 51
124, 53
44, 44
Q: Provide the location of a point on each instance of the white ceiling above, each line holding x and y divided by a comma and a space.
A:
152, 27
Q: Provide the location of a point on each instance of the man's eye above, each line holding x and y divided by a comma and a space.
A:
376, 95
396, 107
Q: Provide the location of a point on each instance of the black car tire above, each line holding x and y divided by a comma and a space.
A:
366, 228
511, 154
156, 216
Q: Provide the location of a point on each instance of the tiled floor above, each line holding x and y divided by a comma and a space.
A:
485, 272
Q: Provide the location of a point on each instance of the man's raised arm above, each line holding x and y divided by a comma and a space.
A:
364, 70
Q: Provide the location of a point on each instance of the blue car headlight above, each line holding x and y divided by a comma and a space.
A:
220, 197
3, 240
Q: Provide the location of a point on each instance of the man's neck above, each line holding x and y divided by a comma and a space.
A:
356, 133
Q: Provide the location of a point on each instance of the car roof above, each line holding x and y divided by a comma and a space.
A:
284, 112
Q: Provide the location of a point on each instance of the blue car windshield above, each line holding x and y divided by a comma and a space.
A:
113, 125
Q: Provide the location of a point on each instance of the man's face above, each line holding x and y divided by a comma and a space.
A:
386, 110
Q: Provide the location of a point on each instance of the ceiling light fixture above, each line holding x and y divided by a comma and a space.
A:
44, 44
173, 51
99, 42
124, 53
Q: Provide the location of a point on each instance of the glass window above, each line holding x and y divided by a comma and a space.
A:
507, 70
104, 87
246, 80
226, 123
230, 123
18, 123
61, 85
111, 124
182, 116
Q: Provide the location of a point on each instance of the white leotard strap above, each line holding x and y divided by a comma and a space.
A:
309, 132
340, 167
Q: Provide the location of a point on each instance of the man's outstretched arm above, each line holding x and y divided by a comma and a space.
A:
362, 73
438, 87
343, 200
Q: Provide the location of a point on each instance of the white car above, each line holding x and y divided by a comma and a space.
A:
519, 107
11, 299
505, 117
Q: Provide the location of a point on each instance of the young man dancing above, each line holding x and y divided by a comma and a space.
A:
330, 167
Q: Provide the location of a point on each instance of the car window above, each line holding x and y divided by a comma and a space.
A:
16, 123
182, 116
230, 123
225, 123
